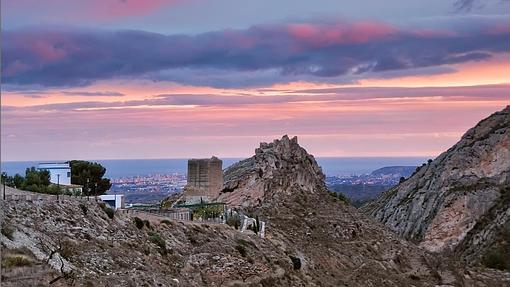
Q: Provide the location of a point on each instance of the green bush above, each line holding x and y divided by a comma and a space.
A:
155, 238
241, 249
7, 231
497, 259
166, 221
340, 196
16, 261
109, 211
138, 222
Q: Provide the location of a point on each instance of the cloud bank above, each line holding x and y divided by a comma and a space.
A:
303, 51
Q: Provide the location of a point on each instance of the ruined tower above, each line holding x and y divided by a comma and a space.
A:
205, 180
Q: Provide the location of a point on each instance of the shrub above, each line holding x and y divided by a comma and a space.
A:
147, 223
339, 196
7, 231
234, 221
296, 262
241, 249
67, 249
155, 238
496, 259
16, 261
138, 222
84, 208
109, 211
166, 221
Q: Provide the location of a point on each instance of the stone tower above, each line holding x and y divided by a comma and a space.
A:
205, 180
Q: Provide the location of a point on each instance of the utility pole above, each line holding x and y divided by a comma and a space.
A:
4, 189
58, 185
87, 189
95, 190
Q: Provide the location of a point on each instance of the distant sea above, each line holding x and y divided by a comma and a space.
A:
331, 166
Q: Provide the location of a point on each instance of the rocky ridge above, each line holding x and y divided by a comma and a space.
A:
459, 201
271, 174
335, 243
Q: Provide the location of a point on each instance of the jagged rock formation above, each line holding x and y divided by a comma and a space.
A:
459, 201
275, 169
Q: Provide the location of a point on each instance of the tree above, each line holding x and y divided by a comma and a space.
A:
82, 170
37, 177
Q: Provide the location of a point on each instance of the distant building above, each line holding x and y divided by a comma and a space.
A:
205, 180
60, 172
115, 201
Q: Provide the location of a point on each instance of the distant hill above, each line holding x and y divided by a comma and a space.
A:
394, 171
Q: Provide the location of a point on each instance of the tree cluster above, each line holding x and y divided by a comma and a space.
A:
84, 173
90, 176
34, 180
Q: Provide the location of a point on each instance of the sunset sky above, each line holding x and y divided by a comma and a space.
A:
114, 79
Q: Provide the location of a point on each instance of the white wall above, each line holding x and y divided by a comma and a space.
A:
59, 172
119, 199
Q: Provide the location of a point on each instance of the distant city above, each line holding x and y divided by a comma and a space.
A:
148, 189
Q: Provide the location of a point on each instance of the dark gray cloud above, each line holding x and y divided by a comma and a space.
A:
469, 5
310, 51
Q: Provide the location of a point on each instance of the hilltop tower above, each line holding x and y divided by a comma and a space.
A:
205, 180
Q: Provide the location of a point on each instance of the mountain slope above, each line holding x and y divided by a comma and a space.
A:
335, 243
458, 202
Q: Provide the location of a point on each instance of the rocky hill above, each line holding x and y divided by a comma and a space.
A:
459, 201
394, 171
311, 239
335, 244
271, 174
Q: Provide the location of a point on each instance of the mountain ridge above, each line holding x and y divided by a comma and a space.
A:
439, 206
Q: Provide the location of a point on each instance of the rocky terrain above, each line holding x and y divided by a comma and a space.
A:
283, 184
459, 202
311, 239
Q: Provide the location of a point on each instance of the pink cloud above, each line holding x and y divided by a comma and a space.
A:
339, 33
102, 10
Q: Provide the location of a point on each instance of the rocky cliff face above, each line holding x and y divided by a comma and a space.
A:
461, 196
272, 173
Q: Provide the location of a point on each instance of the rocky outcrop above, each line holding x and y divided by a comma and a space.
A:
334, 244
453, 198
275, 169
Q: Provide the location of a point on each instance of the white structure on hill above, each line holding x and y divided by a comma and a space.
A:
60, 172
115, 201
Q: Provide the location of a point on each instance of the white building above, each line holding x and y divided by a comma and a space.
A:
115, 201
60, 172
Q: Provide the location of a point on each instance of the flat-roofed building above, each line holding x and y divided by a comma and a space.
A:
115, 201
60, 172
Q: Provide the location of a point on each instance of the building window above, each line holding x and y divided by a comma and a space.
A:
68, 174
